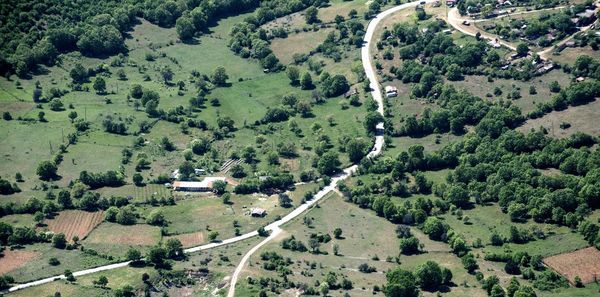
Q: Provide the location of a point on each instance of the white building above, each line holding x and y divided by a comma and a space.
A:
391, 91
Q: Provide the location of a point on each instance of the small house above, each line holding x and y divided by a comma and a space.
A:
586, 17
258, 212
391, 91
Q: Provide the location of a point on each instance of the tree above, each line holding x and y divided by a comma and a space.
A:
138, 179
337, 233
186, 169
356, 149
284, 200
133, 255
336, 85
525, 291
311, 15
219, 76
293, 74
262, 232
314, 244
371, 120
59, 241
53, 261
306, 82
237, 171
72, 116
167, 144
289, 100
46, 170
102, 281
41, 116
409, 246
212, 236
328, 163
167, 74
56, 105
490, 282
156, 218
69, 275
174, 248
497, 291
126, 215
100, 85
185, 28
78, 74
435, 228
469, 263
453, 72
429, 276
522, 49
400, 283
458, 196
136, 91
219, 187
200, 146
157, 256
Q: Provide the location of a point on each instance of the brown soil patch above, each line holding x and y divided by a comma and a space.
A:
190, 239
75, 223
126, 235
15, 259
584, 263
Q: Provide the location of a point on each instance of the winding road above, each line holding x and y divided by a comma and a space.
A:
275, 227
370, 71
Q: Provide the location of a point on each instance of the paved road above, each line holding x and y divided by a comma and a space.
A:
455, 20
377, 148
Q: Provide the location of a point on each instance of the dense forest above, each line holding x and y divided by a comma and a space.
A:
36, 32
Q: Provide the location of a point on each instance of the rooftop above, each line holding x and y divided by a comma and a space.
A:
205, 183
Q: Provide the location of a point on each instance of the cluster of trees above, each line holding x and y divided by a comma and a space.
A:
436, 51
429, 276
560, 23
98, 29
350, 33
576, 94
250, 41
98, 180
277, 182
6, 188
92, 28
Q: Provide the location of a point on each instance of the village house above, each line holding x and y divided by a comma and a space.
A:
258, 212
206, 185
391, 91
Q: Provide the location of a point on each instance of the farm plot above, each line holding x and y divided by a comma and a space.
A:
584, 263
14, 259
189, 239
75, 223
